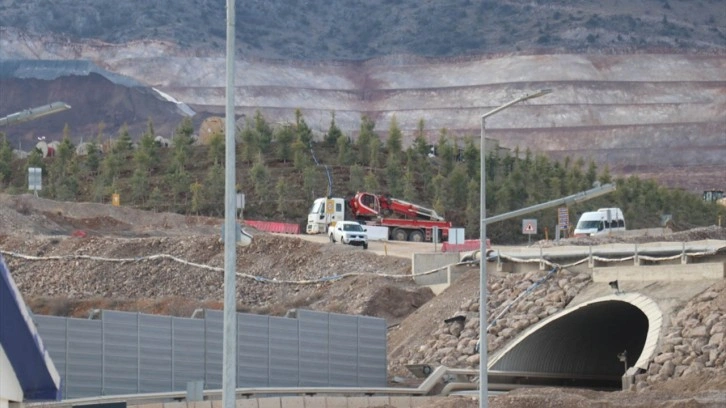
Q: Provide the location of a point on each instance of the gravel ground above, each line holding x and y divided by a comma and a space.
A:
70, 258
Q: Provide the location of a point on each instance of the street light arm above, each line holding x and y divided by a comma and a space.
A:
483, 354
520, 99
571, 199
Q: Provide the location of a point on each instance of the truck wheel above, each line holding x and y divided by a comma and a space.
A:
399, 234
416, 236
331, 238
365, 245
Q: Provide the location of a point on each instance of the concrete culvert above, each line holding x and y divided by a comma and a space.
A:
589, 345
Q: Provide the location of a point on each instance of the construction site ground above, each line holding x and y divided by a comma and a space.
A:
70, 258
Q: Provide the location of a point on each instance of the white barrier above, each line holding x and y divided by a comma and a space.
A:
376, 233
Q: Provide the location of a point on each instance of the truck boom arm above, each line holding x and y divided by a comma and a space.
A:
367, 205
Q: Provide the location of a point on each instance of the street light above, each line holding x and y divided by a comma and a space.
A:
483, 352
229, 322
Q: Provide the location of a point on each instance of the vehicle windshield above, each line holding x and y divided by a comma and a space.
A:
317, 208
588, 225
352, 227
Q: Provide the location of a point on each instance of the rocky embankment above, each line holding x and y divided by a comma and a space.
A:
694, 343
453, 343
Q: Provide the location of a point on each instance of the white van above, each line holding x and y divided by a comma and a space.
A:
602, 221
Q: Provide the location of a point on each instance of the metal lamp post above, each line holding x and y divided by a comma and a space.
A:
483, 352
229, 331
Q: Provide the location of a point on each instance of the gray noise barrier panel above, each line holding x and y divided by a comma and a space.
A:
130, 353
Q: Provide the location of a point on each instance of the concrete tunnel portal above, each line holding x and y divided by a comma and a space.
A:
585, 346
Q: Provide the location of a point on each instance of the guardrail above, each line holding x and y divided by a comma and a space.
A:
269, 226
455, 379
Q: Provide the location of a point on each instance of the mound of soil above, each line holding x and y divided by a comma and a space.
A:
142, 261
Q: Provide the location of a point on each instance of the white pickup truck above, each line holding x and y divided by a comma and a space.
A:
348, 232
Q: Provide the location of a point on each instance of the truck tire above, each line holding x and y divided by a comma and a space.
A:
416, 236
399, 234
331, 238
365, 245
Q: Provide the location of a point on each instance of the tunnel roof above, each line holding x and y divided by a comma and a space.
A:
586, 339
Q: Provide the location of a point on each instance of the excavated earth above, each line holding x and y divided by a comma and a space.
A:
69, 258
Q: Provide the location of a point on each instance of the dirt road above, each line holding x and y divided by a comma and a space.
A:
400, 249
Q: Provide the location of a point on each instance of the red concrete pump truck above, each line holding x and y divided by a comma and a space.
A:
405, 221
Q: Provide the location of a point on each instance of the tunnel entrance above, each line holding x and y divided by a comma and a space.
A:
587, 346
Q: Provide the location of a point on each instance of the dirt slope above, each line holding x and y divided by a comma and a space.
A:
60, 271
89, 256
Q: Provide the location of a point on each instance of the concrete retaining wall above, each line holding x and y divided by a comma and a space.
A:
425, 262
308, 402
686, 272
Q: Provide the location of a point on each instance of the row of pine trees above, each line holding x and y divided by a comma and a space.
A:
282, 169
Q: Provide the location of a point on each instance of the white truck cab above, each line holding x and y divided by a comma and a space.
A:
602, 221
324, 212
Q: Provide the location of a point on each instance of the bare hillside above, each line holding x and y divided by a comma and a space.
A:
358, 30
637, 86
656, 115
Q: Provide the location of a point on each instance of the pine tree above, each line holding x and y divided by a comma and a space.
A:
311, 181
139, 186
456, 188
260, 177
284, 136
59, 185
150, 128
420, 144
393, 144
250, 145
473, 213
605, 177
393, 175
282, 196
445, 152
93, 159
471, 158
213, 190
124, 143
179, 181
264, 132
356, 180
182, 147
6, 157
591, 175
364, 140
344, 150
147, 153
111, 166
302, 130
375, 151
334, 132
371, 182
438, 184
216, 151
69, 187
156, 200
197, 197
409, 187
301, 158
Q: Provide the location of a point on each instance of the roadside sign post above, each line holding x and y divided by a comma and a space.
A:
529, 227
563, 220
240, 204
35, 182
